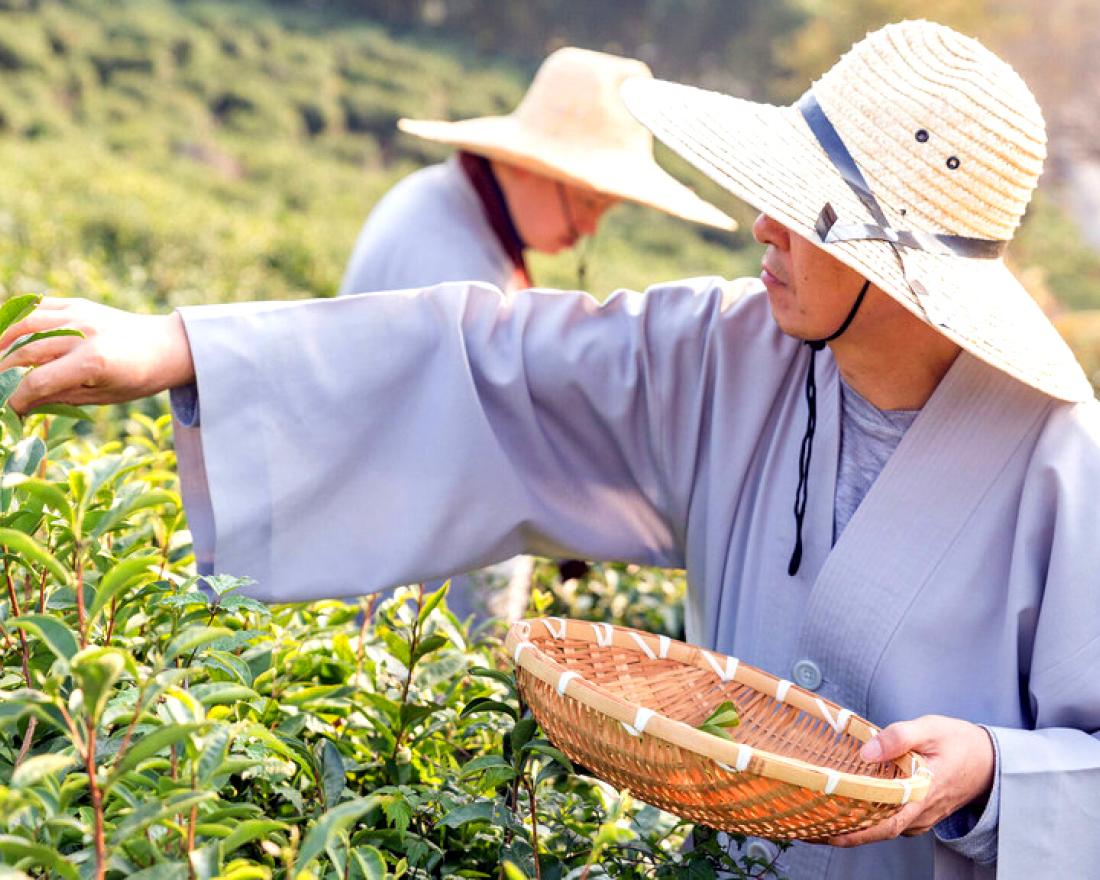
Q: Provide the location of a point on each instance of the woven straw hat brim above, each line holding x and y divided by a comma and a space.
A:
768, 156
619, 173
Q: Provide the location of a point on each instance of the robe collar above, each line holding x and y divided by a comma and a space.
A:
919, 505
479, 171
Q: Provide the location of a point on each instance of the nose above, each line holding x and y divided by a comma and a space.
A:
768, 231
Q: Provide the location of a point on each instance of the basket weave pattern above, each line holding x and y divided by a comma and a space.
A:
792, 770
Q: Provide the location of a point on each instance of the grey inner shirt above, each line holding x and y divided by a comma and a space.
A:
868, 437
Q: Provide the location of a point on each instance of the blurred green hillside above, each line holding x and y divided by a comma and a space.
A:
156, 153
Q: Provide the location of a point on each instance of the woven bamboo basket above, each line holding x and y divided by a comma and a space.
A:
626, 704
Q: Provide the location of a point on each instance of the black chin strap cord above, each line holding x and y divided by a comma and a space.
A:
806, 451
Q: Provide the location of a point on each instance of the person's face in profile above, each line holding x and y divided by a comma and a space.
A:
550, 216
810, 291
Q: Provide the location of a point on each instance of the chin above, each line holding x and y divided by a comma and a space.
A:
786, 314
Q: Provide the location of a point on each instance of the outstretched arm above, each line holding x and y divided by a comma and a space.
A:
121, 356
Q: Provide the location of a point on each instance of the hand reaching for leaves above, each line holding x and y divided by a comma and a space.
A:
119, 355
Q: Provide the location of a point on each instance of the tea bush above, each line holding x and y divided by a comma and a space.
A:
158, 725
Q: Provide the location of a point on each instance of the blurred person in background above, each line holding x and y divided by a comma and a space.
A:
938, 569
539, 178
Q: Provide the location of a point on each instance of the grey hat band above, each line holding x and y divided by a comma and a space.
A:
829, 228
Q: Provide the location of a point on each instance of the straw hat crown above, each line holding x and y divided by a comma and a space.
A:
943, 129
575, 98
573, 127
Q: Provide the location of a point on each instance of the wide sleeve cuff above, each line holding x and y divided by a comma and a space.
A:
971, 834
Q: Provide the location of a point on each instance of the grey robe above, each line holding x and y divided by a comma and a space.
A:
430, 227
664, 429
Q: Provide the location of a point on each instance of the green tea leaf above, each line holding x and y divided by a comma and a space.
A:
46, 493
488, 704
507, 679
368, 864
229, 663
124, 575
34, 770
550, 752
224, 583
95, 671
31, 338
432, 602
432, 643
206, 862
17, 308
9, 381
193, 638
62, 410
19, 850
236, 602
214, 748
26, 549
146, 747
55, 634
23, 459
155, 811
162, 871
219, 693
522, 733
332, 773
249, 830
725, 715
482, 811
329, 825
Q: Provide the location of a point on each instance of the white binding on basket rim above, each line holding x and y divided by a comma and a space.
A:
566, 677
605, 634
842, 718
641, 719
726, 673
520, 648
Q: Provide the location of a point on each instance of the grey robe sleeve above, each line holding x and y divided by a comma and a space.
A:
352, 444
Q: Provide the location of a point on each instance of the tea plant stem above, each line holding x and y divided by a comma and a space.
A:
74, 732
97, 803
42, 593
28, 738
413, 642
133, 721
26, 656
360, 650
81, 612
534, 826
192, 820
111, 621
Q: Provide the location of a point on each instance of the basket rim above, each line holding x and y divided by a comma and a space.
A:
730, 755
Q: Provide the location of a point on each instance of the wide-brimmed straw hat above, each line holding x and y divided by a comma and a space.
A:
572, 126
912, 161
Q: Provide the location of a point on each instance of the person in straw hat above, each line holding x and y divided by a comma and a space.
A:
539, 178
879, 464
